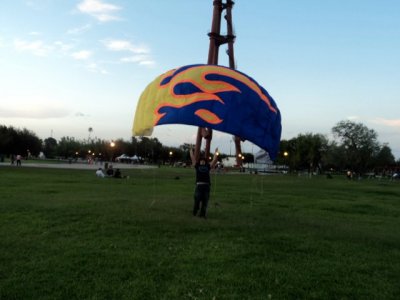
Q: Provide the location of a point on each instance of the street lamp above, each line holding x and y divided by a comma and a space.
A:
285, 155
112, 145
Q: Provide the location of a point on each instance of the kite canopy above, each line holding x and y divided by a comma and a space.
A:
214, 97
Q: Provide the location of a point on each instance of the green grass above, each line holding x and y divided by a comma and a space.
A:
65, 234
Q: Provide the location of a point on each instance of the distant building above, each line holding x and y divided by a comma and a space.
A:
229, 161
262, 162
262, 157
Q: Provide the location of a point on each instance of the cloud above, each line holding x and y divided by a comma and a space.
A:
38, 47
139, 59
63, 47
81, 114
79, 30
95, 68
35, 33
102, 11
353, 118
82, 55
134, 59
141, 53
36, 110
149, 63
124, 45
387, 122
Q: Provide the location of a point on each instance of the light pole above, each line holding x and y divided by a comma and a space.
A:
285, 155
112, 145
88, 157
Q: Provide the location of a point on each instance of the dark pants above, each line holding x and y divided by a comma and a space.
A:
201, 196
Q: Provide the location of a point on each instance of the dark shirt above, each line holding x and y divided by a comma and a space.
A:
202, 173
117, 174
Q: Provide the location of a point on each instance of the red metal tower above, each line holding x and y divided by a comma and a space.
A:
216, 40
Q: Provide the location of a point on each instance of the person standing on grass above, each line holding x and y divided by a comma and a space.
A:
19, 160
203, 182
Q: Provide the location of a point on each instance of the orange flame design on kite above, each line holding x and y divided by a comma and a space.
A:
208, 89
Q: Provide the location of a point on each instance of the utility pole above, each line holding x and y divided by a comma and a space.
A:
216, 40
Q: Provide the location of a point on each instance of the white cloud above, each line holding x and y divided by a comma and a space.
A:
35, 47
353, 118
79, 30
82, 55
141, 53
102, 11
123, 45
95, 68
80, 114
135, 58
35, 110
63, 47
388, 122
144, 60
149, 63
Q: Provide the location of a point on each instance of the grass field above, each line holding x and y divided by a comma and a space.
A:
65, 234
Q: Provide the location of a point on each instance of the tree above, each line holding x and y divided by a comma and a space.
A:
310, 149
384, 157
50, 147
68, 146
5, 141
17, 141
304, 152
151, 149
359, 144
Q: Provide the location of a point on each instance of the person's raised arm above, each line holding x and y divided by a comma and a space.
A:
215, 159
192, 157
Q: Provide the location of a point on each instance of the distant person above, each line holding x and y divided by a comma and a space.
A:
110, 171
12, 158
99, 173
203, 182
117, 173
18, 160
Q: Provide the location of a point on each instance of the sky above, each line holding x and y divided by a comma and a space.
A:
70, 65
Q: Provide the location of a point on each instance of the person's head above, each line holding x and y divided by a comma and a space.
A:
202, 160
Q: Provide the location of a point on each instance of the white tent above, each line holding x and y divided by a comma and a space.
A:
262, 157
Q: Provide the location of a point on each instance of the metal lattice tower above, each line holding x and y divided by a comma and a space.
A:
216, 40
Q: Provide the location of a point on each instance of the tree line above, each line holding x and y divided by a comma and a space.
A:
14, 141
355, 147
